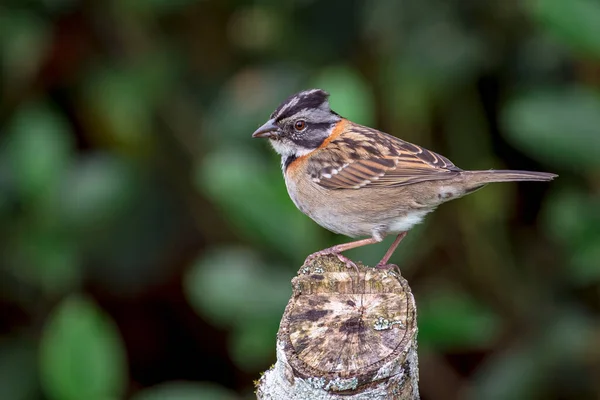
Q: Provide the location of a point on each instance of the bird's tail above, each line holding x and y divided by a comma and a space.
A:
482, 177
477, 178
508, 175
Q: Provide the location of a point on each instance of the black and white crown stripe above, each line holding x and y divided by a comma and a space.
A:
308, 99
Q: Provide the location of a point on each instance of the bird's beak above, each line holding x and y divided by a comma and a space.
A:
267, 130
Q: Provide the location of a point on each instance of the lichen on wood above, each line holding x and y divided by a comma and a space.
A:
345, 334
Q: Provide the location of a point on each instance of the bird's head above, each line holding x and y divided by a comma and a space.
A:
300, 124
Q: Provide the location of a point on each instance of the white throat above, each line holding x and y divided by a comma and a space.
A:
288, 149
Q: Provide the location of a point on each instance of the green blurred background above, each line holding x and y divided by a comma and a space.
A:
147, 242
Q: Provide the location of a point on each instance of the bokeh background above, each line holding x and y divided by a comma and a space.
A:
147, 242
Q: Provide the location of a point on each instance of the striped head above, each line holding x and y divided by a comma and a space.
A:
300, 124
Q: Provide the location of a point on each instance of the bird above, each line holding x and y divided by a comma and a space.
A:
360, 182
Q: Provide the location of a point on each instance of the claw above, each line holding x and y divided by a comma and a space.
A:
389, 267
348, 262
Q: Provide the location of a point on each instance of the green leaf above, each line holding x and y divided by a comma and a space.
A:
574, 22
96, 191
573, 218
252, 194
252, 345
39, 149
559, 127
585, 264
185, 391
119, 102
231, 287
81, 355
350, 94
451, 320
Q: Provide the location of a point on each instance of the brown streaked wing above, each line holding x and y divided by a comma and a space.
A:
394, 163
419, 154
355, 173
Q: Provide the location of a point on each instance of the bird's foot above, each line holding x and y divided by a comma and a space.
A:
388, 267
326, 252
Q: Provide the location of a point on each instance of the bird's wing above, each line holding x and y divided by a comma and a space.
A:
362, 157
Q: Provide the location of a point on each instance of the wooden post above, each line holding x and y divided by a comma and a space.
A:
345, 334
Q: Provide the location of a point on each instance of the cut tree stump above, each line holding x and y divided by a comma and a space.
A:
345, 334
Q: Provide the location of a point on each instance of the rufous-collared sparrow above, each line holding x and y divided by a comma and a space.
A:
358, 181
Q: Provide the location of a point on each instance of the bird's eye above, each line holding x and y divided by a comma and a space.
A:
300, 125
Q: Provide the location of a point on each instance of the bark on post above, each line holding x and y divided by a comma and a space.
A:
345, 334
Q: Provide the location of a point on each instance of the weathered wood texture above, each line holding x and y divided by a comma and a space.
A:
345, 334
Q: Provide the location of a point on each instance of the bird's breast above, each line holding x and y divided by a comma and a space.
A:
351, 212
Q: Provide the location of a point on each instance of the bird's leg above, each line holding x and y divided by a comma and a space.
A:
338, 248
386, 257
